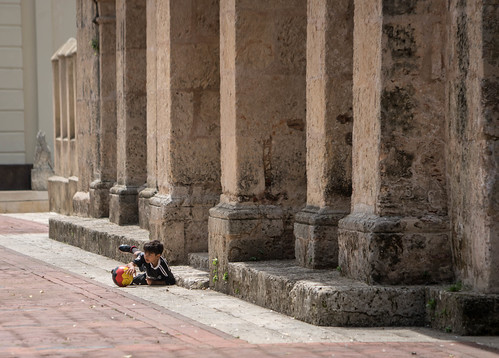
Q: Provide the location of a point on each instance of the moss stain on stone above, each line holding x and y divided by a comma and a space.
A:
399, 7
397, 107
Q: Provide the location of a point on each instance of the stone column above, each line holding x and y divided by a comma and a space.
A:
472, 153
183, 105
131, 111
87, 102
263, 56
152, 134
398, 231
105, 160
329, 132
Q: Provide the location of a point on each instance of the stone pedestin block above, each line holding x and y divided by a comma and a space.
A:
395, 250
61, 194
180, 221
123, 204
245, 232
144, 209
316, 237
81, 199
99, 198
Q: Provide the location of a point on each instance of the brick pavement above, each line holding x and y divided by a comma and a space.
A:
48, 312
9, 225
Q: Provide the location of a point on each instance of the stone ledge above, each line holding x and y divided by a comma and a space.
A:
324, 297
464, 313
191, 278
97, 235
102, 237
199, 260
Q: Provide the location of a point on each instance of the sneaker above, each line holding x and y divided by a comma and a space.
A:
127, 248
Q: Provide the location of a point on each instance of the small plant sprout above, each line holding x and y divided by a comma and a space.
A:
432, 303
95, 45
215, 261
458, 286
225, 276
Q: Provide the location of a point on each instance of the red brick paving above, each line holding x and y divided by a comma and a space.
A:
48, 312
9, 225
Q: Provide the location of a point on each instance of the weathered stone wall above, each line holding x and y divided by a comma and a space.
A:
472, 154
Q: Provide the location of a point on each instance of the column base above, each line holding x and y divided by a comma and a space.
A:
144, 207
60, 195
180, 222
81, 202
245, 232
316, 237
123, 205
395, 250
99, 198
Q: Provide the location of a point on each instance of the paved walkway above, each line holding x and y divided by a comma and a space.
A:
59, 301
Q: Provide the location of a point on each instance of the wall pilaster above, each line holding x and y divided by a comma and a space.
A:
131, 98
184, 106
398, 231
329, 132
87, 103
472, 153
105, 161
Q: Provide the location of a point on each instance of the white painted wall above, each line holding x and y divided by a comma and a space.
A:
55, 24
12, 144
30, 32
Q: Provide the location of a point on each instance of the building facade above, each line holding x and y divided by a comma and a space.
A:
30, 32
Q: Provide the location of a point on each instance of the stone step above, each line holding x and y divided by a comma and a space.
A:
199, 260
23, 201
319, 297
324, 297
103, 237
97, 235
462, 312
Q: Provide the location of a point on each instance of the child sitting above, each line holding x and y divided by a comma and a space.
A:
150, 260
